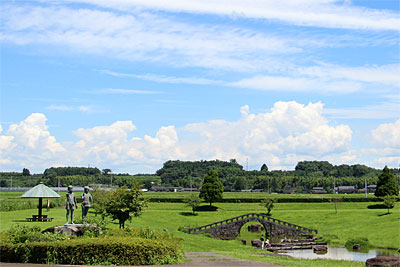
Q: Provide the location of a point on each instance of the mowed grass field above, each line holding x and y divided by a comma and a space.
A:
227, 195
256, 195
352, 220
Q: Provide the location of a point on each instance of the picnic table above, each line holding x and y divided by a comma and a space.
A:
39, 218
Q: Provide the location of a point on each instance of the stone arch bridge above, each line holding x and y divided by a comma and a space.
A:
230, 228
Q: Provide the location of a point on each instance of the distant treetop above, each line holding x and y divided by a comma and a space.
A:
66, 171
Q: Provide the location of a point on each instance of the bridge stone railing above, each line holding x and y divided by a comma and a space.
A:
230, 228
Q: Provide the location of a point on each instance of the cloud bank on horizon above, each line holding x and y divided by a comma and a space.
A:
288, 133
129, 84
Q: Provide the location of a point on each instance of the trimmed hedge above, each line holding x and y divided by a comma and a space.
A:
278, 200
94, 251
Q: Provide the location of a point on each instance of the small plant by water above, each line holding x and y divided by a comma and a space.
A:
362, 241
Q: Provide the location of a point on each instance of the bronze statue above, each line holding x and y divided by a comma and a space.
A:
71, 204
87, 202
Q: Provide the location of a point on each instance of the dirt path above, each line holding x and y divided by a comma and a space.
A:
193, 259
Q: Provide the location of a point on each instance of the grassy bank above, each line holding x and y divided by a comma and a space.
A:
352, 220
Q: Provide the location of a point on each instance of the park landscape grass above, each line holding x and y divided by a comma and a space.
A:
352, 220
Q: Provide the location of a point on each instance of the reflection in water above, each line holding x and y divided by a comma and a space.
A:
338, 253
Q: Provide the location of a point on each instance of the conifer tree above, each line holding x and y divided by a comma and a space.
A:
387, 185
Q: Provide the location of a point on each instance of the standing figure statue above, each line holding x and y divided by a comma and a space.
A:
87, 202
71, 204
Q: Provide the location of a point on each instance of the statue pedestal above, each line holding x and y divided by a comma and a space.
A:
67, 229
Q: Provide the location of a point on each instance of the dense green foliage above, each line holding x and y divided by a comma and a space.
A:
17, 179
307, 174
122, 203
183, 173
362, 241
389, 201
68, 171
20, 233
26, 172
212, 189
193, 201
387, 185
268, 203
131, 247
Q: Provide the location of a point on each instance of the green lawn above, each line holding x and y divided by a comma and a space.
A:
352, 220
261, 195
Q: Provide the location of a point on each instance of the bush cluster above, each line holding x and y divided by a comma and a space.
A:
94, 251
23, 234
362, 241
112, 247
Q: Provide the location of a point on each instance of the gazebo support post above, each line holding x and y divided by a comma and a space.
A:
40, 208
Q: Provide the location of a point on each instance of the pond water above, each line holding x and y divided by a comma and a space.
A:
340, 253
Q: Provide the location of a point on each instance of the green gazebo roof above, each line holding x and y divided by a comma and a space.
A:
40, 191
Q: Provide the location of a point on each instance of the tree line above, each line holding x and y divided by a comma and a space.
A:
305, 176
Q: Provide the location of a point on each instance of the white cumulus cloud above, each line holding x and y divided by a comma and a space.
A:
387, 135
289, 132
29, 143
386, 141
33, 133
289, 128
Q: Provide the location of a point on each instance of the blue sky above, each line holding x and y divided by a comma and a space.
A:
128, 85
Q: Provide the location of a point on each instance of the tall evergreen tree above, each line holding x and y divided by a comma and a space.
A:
264, 168
26, 172
387, 185
212, 188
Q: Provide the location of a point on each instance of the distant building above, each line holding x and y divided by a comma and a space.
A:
257, 190
371, 188
166, 189
349, 189
289, 190
318, 190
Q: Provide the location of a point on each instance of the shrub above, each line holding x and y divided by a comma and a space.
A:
94, 251
363, 241
22, 234
268, 203
388, 202
146, 233
93, 226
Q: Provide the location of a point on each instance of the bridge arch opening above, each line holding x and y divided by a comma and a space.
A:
251, 230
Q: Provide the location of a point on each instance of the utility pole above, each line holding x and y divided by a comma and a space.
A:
334, 191
247, 164
366, 188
